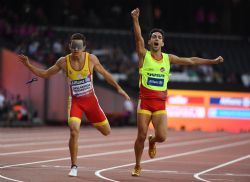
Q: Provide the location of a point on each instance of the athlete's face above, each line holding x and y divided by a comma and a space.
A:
76, 47
156, 41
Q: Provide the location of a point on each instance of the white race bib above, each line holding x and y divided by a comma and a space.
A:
81, 87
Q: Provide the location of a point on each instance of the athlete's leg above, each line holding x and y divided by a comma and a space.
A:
104, 129
143, 121
74, 125
144, 116
160, 124
74, 122
96, 116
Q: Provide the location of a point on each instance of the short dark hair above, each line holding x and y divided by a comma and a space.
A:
157, 30
78, 36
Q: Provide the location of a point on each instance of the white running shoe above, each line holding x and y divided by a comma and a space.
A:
73, 171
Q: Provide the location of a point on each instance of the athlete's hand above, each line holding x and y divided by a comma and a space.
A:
218, 60
135, 13
24, 59
123, 93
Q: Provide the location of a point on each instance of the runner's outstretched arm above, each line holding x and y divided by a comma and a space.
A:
40, 72
194, 60
108, 77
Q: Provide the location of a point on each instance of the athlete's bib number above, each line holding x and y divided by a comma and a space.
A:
81, 87
155, 82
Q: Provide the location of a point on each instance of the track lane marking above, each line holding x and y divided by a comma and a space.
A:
60, 148
58, 142
197, 175
119, 152
98, 173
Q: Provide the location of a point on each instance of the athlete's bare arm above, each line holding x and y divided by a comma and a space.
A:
107, 76
193, 60
42, 72
139, 41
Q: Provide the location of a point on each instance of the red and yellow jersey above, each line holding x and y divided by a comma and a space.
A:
80, 81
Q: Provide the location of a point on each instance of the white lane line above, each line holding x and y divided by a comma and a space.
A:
64, 148
64, 140
117, 152
33, 136
189, 173
10, 179
55, 137
19, 139
94, 169
67, 158
222, 179
160, 171
59, 141
51, 134
60, 159
98, 173
231, 174
145, 170
32, 143
197, 175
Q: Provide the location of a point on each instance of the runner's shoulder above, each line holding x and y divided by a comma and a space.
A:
93, 59
61, 62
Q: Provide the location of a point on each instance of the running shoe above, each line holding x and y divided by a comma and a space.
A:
73, 171
136, 171
152, 147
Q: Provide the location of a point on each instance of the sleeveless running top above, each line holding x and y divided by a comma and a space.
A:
80, 81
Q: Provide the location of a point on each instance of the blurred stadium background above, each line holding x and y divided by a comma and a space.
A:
208, 98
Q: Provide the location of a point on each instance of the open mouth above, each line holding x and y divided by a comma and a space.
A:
156, 43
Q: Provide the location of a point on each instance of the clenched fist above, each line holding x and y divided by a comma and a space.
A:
218, 60
135, 13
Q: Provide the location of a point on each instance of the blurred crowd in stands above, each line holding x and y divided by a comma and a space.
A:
12, 109
29, 27
214, 16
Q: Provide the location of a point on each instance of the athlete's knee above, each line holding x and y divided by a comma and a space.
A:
104, 129
161, 138
74, 132
142, 136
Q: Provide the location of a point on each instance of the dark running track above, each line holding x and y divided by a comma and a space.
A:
41, 155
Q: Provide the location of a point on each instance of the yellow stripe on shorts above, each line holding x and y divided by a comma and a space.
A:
143, 111
74, 119
159, 112
101, 123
